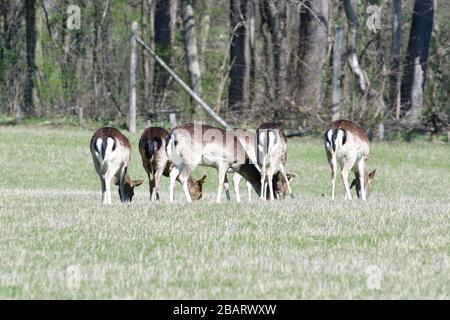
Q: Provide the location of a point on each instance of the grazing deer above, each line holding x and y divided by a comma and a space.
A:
271, 156
190, 145
152, 147
348, 144
111, 151
277, 181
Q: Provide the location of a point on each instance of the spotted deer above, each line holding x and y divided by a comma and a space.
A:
348, 145
152, 147
271, 157
111, 151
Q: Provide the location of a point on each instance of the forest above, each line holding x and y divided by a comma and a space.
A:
300, 63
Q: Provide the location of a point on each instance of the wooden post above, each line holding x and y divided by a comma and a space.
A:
199, 100
16, 112
132, 110
79, 112
173, 119
336, 96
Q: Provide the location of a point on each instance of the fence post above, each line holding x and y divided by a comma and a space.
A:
132, 110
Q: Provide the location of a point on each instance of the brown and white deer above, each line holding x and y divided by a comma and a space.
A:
348, 145
111, 152
152, 147
234, 150
271, 157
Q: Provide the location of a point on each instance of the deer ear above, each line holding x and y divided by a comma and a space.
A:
202, 180
291, 176
353, 183
136, 183
372, 174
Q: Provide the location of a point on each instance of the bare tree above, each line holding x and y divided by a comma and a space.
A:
395, 57
165, 21
416, 60
30, 6
313, 34
275, 14
190, 45
238, 90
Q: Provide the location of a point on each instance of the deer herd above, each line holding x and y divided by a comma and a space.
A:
259, 157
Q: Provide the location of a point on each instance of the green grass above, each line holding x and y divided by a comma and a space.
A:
57, 241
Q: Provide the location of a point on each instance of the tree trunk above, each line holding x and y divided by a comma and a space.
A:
239, 56
276, 15
132, 110
353, 61
395, 58
165, 19
29, 107
314, 16
336, 95
190, 45
416, 59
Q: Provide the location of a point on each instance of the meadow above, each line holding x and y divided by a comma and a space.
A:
58, 241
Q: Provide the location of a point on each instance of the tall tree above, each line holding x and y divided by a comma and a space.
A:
165, 20
313, 48
238, 90
30, 6
190, 45
415, 65
395, 57
275, 14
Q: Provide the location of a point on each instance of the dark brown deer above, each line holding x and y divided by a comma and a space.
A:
152, 147
348, 144
111, 151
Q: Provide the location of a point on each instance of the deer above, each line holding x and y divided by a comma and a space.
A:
277, 181
190, 145
111, 151
271, 157
347, 144
152, 147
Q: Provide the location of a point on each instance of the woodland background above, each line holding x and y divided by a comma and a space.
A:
299, 63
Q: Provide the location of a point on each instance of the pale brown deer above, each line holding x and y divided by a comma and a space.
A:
347, 144
111, 151
271, 157
152, 147
234, 150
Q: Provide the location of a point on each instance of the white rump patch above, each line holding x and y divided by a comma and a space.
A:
329, 137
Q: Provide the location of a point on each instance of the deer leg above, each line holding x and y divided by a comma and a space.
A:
183, 177
344, 174
122, 173
107, 180
226, 187
361, 171
288, 184
102, 181
174, 173
222, 171
249, 191
150, 184
263, 184
333, 164
236, 179
270, 181
157, 178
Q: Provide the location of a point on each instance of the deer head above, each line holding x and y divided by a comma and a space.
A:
128, 190
368, 177
195, 187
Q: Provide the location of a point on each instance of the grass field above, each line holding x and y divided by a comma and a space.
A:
57, 241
